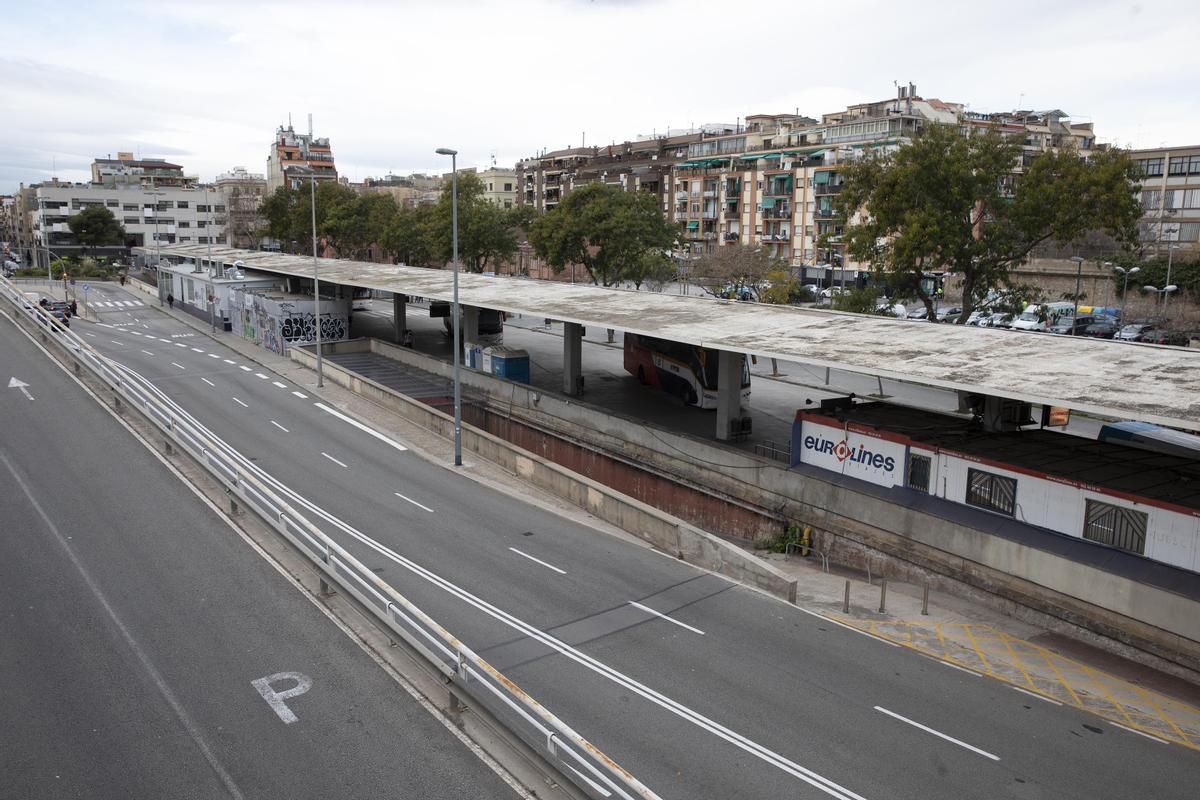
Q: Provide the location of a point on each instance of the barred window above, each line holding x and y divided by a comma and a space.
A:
918, 472
1115, 526
990, 491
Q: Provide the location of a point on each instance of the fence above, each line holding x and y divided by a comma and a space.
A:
584, 765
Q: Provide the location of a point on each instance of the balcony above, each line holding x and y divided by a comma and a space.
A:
826, 188
824, 213
733, 236
708, 213
710, 193
777, 213
778, 190
732, 212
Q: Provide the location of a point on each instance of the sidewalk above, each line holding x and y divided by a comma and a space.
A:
957, 632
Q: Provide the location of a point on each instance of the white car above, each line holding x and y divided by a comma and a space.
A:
828, 293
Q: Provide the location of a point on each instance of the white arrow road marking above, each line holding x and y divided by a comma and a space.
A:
15, 383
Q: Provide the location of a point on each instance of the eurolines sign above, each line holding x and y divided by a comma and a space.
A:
850, 453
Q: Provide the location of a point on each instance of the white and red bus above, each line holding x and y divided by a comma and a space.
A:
683, 370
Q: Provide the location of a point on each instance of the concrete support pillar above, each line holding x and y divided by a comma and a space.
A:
470, 323
572, 359
399, 316
729, 391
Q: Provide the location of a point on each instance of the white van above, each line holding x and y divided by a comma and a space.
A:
1040, 316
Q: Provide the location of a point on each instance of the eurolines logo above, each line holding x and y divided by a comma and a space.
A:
843, 451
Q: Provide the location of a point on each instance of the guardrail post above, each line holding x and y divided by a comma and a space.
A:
326, 589
846, 600
167, 448
882, 595
233, 506
925, 600
117, 402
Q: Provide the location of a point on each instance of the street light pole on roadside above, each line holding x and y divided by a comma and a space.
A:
1078, 276
157, 247
1171, 248
1125, 288
212, 292
445, 151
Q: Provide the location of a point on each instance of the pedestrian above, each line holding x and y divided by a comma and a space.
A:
122, 279
74, 308
170, 300
408, 339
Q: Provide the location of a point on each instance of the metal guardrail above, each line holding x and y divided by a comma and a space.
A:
577, 759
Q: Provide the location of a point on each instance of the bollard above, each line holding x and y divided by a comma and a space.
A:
882, 595
846, 600
925, 601
611, 333
774, 368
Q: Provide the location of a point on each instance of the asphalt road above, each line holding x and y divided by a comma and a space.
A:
135, 622
702, 688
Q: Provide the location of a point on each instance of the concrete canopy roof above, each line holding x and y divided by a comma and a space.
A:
1152, 383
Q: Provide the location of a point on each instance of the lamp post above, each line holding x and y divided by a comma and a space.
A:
157, 246
445, 151
212, 292
1171, 248
1163, 292
1078, 276
1125, 288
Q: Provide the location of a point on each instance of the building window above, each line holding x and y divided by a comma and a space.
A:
112, 203
1151, 167
1115, 526
992, 492
181, 204
508, 187
201, 223
183, 223
1184, 165
218, 208
133, 221
918, 472
129, 207
201, 209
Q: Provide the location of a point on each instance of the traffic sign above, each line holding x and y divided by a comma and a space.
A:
87, 287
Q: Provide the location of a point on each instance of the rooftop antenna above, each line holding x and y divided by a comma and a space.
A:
289, 120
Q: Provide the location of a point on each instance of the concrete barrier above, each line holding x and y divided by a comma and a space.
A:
665, 532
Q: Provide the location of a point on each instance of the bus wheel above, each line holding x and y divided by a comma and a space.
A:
689, 397
641, 376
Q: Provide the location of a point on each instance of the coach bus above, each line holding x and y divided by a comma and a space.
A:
683, 370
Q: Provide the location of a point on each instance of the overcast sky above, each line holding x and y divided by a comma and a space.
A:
206, 83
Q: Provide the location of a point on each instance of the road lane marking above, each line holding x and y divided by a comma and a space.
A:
168, 341
213, 355
649, 610
301, 395
280, 385
1038, 696
240, 403
177, 364
538, 561
85, 333
197, 350
264, 377
360, 426
847, 627
334, 460
114, 341
1139, 733
206, 380
277, 425
229, 361
939, 734
147, 352
180, 344
136, 333
275, 699
957, 667
414, 502
247, 369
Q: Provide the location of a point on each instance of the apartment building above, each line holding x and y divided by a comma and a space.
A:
127, 170
295, 158
1171, 200
407, 190
499, 185
242, 194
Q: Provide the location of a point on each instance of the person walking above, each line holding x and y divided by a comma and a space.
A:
171, 300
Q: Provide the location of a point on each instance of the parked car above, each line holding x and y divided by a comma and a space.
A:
1073, 327
917, 313
977, 316
1133, 332
61, 305
950, 314
829, 292
1163, 336
889, 309
1106, 329
1001, 320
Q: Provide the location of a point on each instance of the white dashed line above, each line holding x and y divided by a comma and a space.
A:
280, 385
206, 380
147, 352
177, 364
1033, 694
240, 403
136, 333
180, 344
264, 377
168, 341
85, 333
114, 341
1139, 733
414, 502
939, 734
197, 350
229, 361
360, 426
301, 395
277, 425
538, 561
649, 610
213, 355
247, 369
957, 667
334, 460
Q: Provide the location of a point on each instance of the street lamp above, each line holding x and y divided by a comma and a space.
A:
312, 183
212, 299
446, 151
1125, 288
1078, 276
157, 247
1163, 292
1171, 248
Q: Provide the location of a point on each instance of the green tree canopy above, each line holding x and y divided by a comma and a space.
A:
487, 233
95, 226
604, 228
953, 203
735, 267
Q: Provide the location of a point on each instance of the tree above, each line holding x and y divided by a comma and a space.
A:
734, 270
864, 300
655, 269
487, 234
783, 287
407, 236
604, 228
95, 226
953, 203
353, 223
288, 213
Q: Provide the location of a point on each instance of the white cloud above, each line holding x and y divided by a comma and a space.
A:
207, 83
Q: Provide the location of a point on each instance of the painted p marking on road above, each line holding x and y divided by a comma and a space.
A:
275, 699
